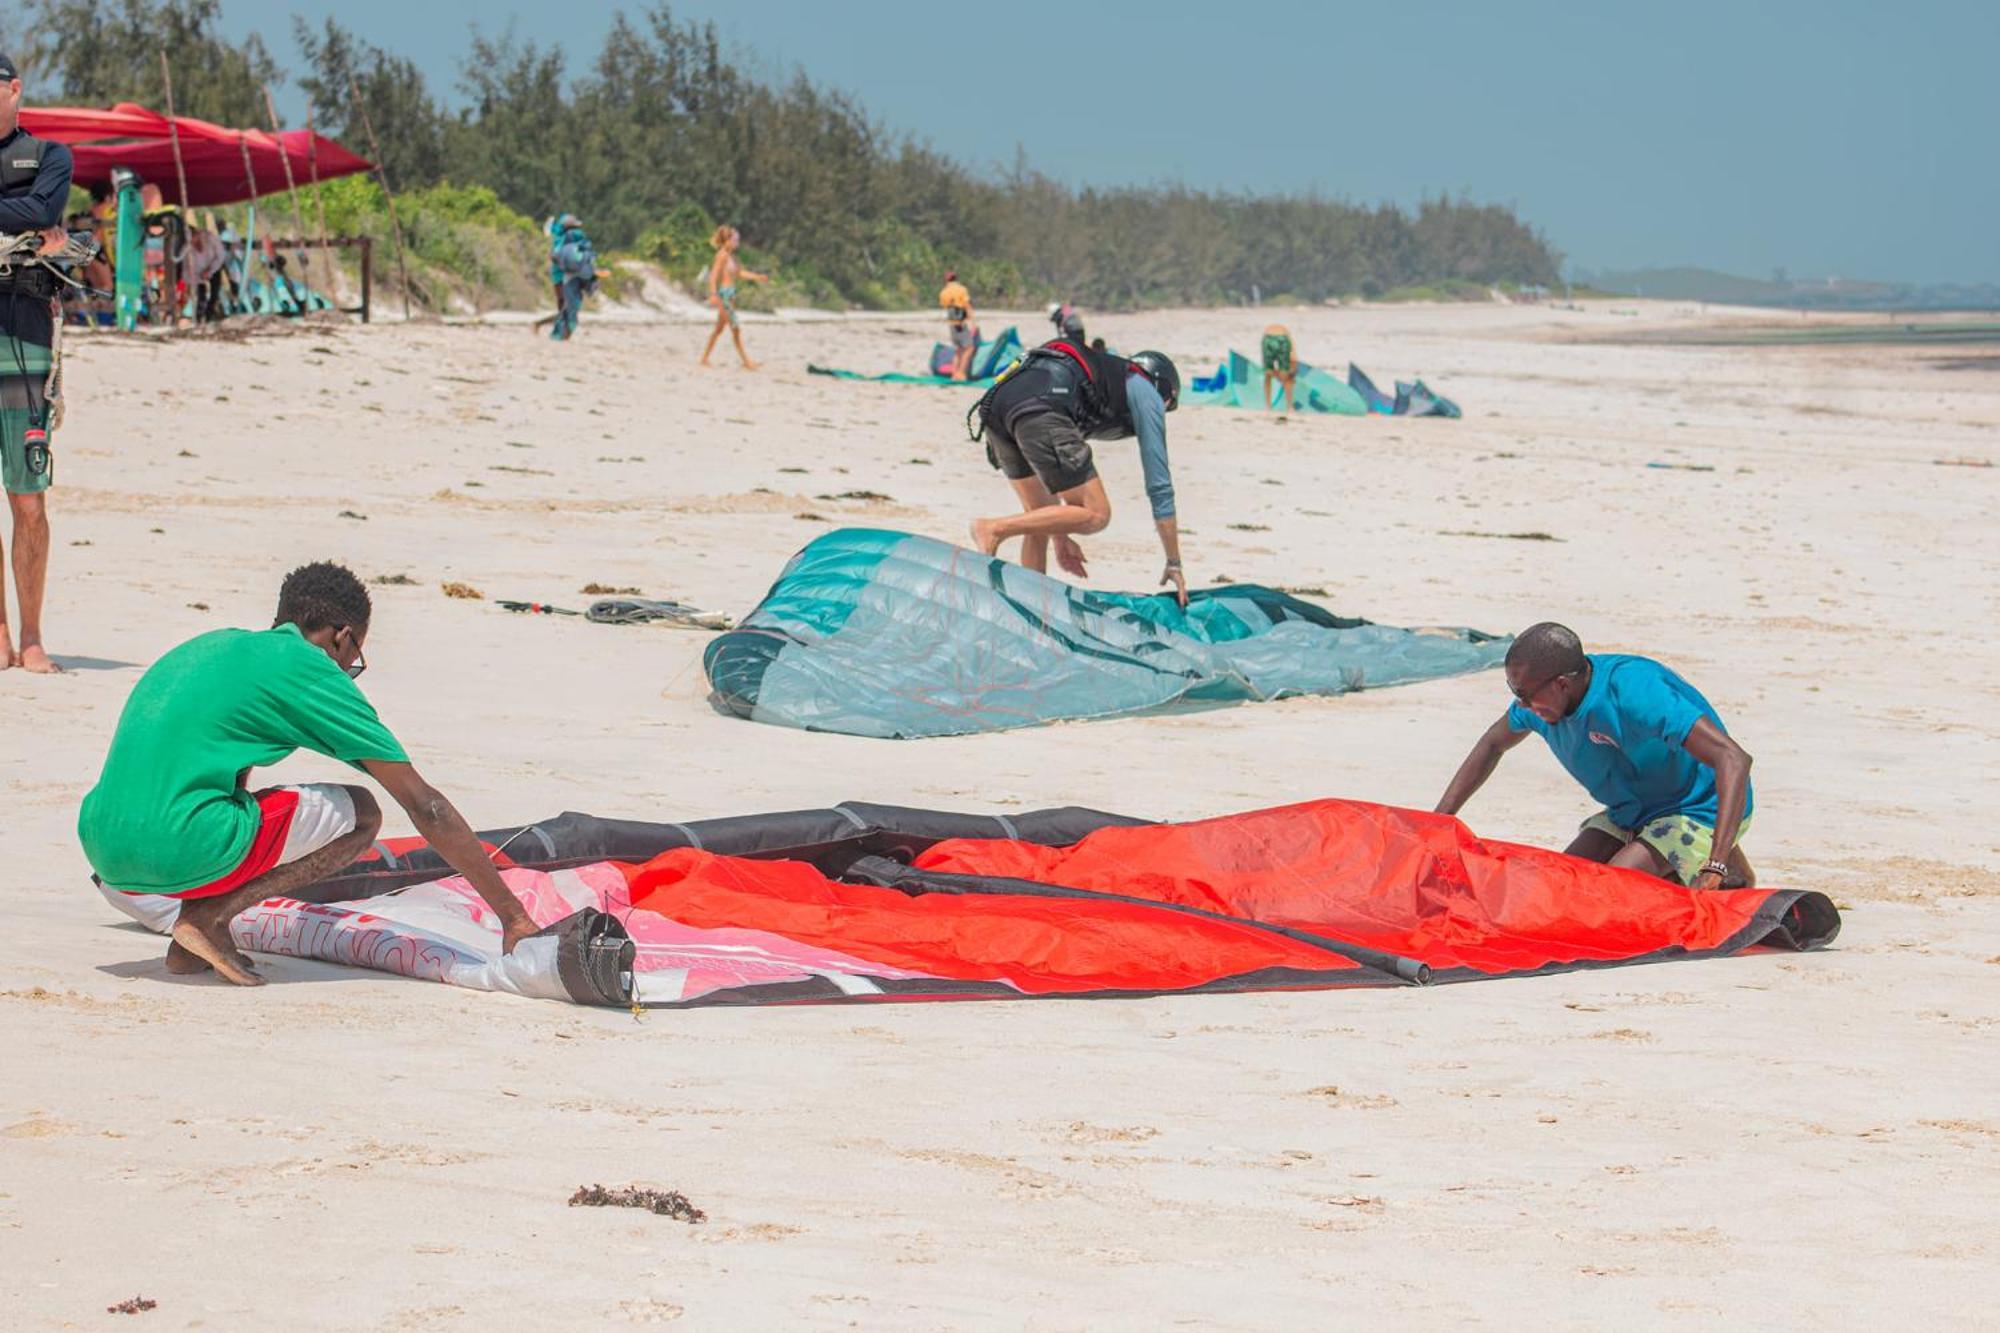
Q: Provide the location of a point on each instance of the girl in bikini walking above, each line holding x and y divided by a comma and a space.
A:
723, 275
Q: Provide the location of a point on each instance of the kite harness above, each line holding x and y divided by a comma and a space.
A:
1085, 383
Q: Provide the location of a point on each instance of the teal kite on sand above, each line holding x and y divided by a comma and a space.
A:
878, 633
1240, 383
991, 358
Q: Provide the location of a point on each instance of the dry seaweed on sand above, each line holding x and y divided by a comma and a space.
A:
465, 592
1502, 536
667, 1203
606, 590
132, 1305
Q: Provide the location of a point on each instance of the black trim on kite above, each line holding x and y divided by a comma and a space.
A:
907, 879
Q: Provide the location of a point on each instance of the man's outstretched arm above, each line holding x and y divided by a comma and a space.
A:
1731, 762
439, 823
1479, 765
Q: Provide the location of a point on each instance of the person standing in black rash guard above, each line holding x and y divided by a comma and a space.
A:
34, 190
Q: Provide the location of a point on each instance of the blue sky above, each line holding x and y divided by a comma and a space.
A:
1830, 138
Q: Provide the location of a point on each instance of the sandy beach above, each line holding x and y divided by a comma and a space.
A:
1775, 1141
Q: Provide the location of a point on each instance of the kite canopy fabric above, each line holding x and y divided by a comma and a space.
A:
871, 903
1239, 382
211, 155
1410, 400
989, 360
879, 633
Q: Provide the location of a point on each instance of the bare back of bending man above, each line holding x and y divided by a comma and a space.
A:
172, 816
34, 190
1039, 422
1675, 786
1280, 364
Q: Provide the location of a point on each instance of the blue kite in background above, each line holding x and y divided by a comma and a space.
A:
991, 357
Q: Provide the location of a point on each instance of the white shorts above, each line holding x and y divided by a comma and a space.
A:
324, 812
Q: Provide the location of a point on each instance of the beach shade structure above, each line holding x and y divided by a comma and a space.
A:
85, 124
992, 357
1410, 400
212, 155
872, 632
866, 903
1239, 382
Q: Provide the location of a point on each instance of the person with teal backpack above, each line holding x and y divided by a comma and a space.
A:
572, 272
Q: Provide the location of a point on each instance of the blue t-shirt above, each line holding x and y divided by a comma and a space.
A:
1625, 741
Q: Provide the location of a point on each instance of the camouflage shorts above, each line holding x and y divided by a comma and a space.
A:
1684, 842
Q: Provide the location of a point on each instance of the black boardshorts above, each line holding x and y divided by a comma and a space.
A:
1043, 444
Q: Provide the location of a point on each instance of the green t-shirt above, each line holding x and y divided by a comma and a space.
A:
167, 814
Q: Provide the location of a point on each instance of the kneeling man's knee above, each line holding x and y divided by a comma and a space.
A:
367, 811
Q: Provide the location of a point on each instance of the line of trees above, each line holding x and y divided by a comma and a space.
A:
666, 133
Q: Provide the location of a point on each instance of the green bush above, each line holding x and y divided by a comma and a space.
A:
679, 243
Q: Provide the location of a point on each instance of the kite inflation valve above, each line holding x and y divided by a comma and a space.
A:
35, 442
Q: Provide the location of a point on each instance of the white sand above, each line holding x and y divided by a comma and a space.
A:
1775, 1141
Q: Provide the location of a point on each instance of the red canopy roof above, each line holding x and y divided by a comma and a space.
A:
211, 154
81, 124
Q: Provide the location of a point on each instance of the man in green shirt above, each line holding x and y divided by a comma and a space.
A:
172, 816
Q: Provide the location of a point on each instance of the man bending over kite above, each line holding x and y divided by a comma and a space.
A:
172, 815
1675, 787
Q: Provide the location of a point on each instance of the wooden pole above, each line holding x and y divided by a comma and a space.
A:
395, 227
312, 164
291, 184
250, 179
319, 205
180, 171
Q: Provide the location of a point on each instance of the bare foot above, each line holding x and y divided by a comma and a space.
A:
6, 649
983, 537
752, 365
183, 962
35, 659
218, 953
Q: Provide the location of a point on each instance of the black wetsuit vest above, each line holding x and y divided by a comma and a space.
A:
20, 164
1084, 384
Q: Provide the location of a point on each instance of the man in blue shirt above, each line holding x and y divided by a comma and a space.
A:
1039, 421
34, 190
1675, 787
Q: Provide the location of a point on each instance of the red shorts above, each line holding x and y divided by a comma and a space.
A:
296, 822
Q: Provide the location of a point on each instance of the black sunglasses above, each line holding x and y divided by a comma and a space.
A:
360, 663
1528, 696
